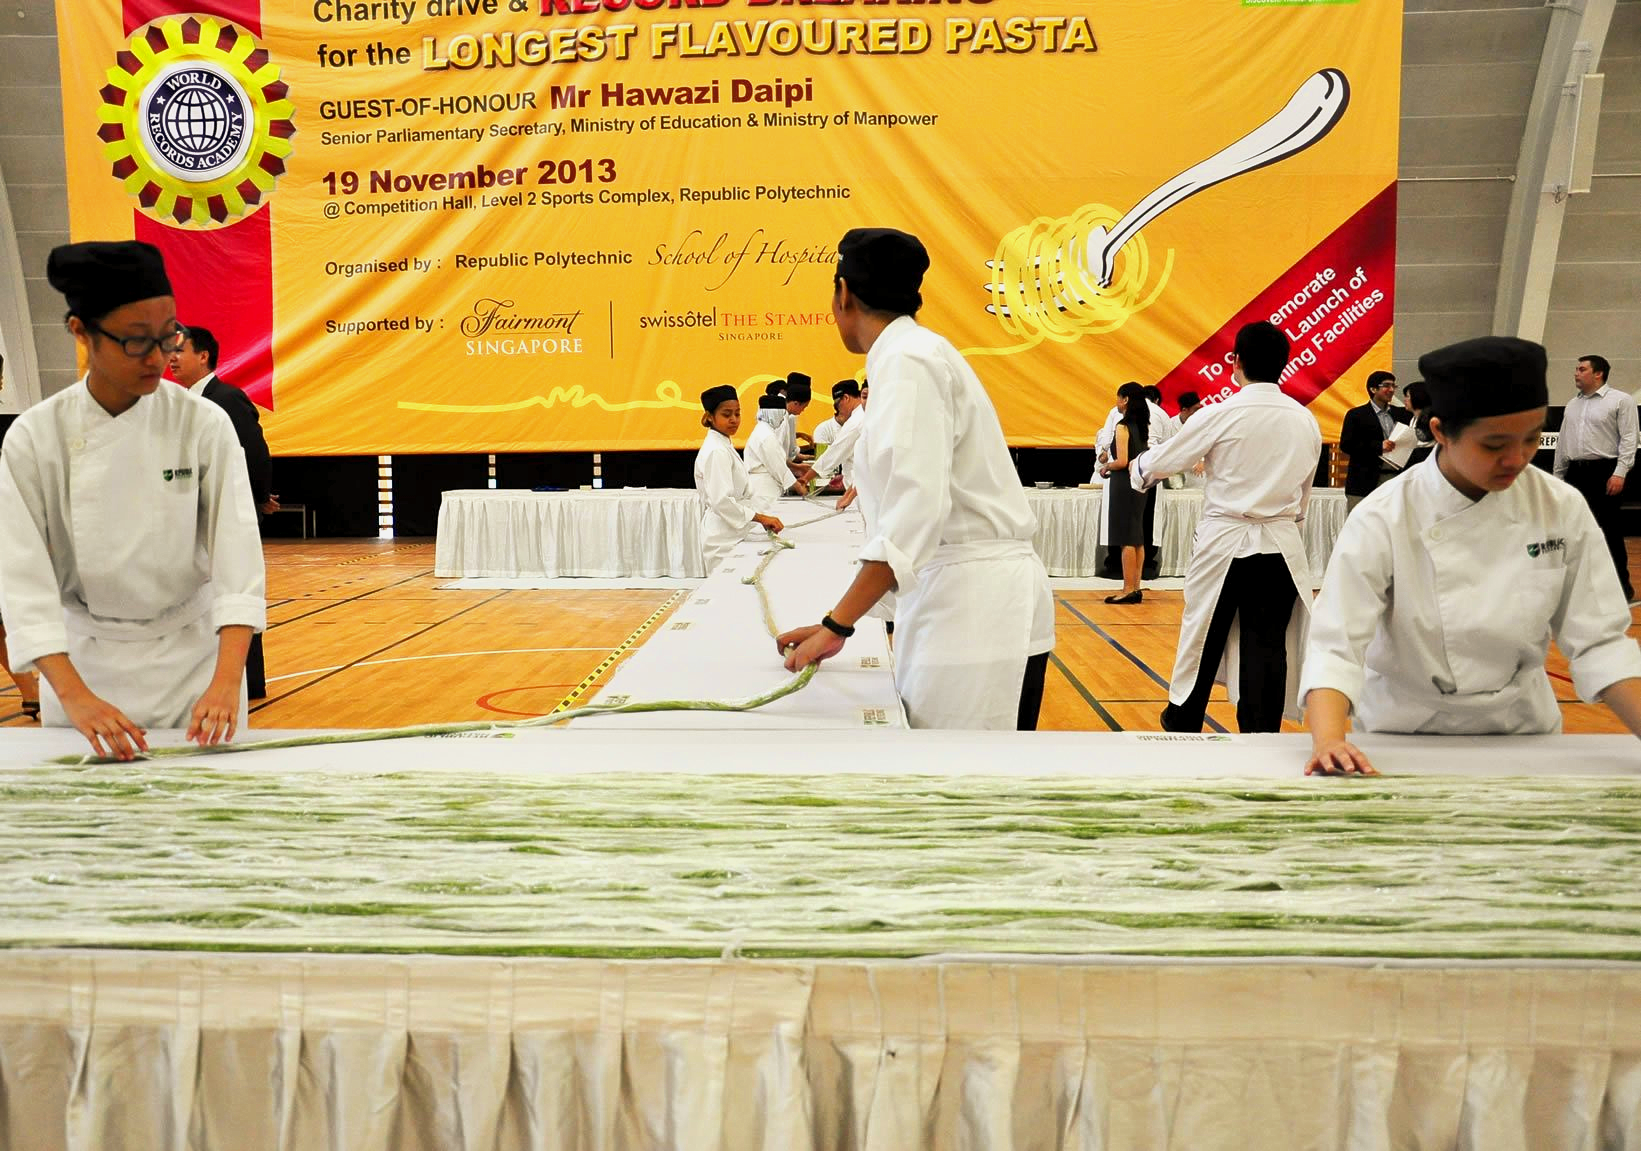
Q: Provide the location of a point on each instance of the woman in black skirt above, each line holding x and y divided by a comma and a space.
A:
1126, 522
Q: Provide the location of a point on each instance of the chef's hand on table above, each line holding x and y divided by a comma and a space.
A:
809, 645
103, 724
1339, 757
216, 715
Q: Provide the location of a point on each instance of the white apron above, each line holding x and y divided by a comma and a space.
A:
178, 666
964, 632
1219, 537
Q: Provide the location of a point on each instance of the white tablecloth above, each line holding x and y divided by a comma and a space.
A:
152, 1052
157, 1050
517, 534
716, 645
1068, 528
638, 532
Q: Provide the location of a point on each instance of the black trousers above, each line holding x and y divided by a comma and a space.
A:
1590, 478
256, 684
1259, 592
1031, 691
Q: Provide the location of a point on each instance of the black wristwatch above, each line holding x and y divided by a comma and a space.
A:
835, 627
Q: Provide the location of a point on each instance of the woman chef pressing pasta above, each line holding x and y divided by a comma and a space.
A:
131, 565
1445, 587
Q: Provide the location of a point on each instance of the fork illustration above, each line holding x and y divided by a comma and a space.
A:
1309, 115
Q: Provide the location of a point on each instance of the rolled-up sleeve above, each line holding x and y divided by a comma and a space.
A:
238, 579
909, 445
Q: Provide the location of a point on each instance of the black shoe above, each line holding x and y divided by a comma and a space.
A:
1172, 721
31, 709
1131, 597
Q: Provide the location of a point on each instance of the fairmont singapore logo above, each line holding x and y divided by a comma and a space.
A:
195, 121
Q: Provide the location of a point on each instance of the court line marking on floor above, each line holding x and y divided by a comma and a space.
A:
620, 650
1134, 659
1088, 696
271, 700
339, 602
414, 658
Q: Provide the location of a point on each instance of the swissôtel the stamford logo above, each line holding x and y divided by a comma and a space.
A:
195, 121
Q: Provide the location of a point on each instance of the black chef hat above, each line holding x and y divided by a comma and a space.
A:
797, 389
1490, 376
714, 398
1189, 399
845, 388
775, 388
884, 268
771, 404
98, 276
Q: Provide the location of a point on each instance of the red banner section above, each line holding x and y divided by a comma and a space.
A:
1334, 304
223, 277
246, 13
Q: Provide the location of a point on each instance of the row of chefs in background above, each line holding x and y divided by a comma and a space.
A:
1471, 526
131, 571
774, 461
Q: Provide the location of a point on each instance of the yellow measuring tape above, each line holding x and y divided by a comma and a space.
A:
620, 650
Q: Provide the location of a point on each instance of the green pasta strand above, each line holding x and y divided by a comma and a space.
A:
796, 684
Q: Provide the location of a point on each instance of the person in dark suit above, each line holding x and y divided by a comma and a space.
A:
1364, 436
194, 367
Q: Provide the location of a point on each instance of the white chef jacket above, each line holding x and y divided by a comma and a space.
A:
827, 430
1261, 449
1438, 610
789, 435
840, 452
945, 510
726, 497
126, 542
766, 468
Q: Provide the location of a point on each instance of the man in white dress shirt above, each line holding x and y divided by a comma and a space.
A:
947, 524
1595, 451
1248, 562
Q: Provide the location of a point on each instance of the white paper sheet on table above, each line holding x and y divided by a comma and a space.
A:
716, 646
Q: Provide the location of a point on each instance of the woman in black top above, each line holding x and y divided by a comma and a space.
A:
1127, 518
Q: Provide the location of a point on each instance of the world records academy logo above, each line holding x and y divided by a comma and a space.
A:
195, 121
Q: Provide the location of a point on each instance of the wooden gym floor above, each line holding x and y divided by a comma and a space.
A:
360, 636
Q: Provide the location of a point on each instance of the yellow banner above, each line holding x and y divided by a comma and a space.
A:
537, 225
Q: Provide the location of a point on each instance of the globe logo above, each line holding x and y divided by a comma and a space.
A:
194, 121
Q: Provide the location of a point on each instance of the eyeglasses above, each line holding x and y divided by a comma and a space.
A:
137, 347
